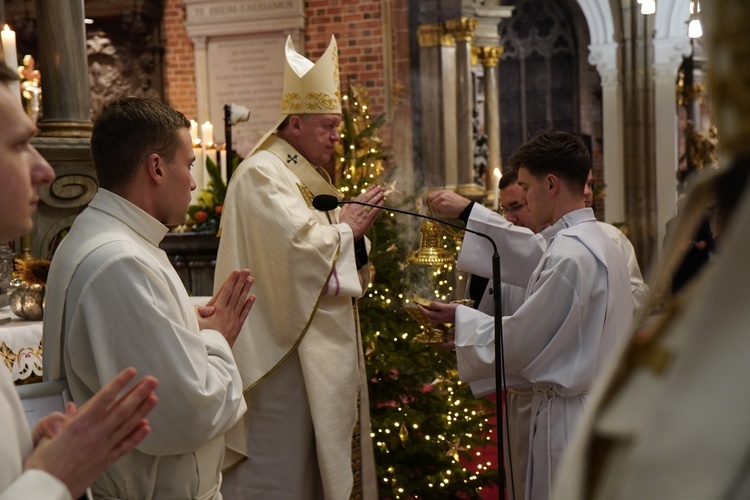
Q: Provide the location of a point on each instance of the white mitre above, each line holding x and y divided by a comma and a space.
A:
309, 88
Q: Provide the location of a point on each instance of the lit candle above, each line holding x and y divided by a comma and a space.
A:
207, 134
9, 48
223, 161
210, 153
9, 52
194, 132
496, 188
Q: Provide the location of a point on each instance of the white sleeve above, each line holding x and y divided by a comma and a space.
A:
345, 279
475, 351
528, 335
133, 318
519, 249
638, 287
38, 485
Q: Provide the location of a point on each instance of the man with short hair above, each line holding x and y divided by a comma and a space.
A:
114, 300
516, 220
577, 312
307, 427
65, 453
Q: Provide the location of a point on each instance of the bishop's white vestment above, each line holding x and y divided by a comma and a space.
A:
300, 352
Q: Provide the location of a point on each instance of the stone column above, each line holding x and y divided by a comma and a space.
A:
462, 31
640, 136
65, 129
605, 58
430, 79
490, 57
668, 55
487, 46
62, 62
448, 106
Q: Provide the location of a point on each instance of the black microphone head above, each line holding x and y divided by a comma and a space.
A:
325, 202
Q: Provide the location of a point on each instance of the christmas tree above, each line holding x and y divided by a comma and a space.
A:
428, 431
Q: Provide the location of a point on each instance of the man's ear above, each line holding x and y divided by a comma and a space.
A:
553, 183
155, 166
295, 125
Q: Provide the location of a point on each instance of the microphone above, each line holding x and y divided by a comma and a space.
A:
327, 202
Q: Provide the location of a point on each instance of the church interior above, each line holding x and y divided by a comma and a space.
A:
485, 76
451, 88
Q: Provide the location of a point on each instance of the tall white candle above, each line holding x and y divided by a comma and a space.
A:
11, 58
207, 134
496, 188
223, 161
210, 153
9, 48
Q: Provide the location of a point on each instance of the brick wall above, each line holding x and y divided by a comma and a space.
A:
357, 24
179, 71
358, 27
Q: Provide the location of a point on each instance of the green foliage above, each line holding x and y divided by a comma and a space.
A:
204, 217
359, 154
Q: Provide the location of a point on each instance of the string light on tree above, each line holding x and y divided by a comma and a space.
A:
422, 417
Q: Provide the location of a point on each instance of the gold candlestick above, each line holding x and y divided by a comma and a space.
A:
25, 251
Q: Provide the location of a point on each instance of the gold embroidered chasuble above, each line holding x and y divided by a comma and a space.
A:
306, 283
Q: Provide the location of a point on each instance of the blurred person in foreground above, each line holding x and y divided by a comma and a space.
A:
669, 420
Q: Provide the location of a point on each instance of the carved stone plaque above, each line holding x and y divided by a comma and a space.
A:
248, 72
230, 11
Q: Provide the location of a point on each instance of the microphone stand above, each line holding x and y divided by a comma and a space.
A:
228, 140
499, 355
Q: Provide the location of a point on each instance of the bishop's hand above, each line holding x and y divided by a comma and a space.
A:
359, 217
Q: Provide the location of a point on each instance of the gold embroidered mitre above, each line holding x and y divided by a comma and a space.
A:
311, 88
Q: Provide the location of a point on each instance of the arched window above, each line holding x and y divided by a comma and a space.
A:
538, 72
